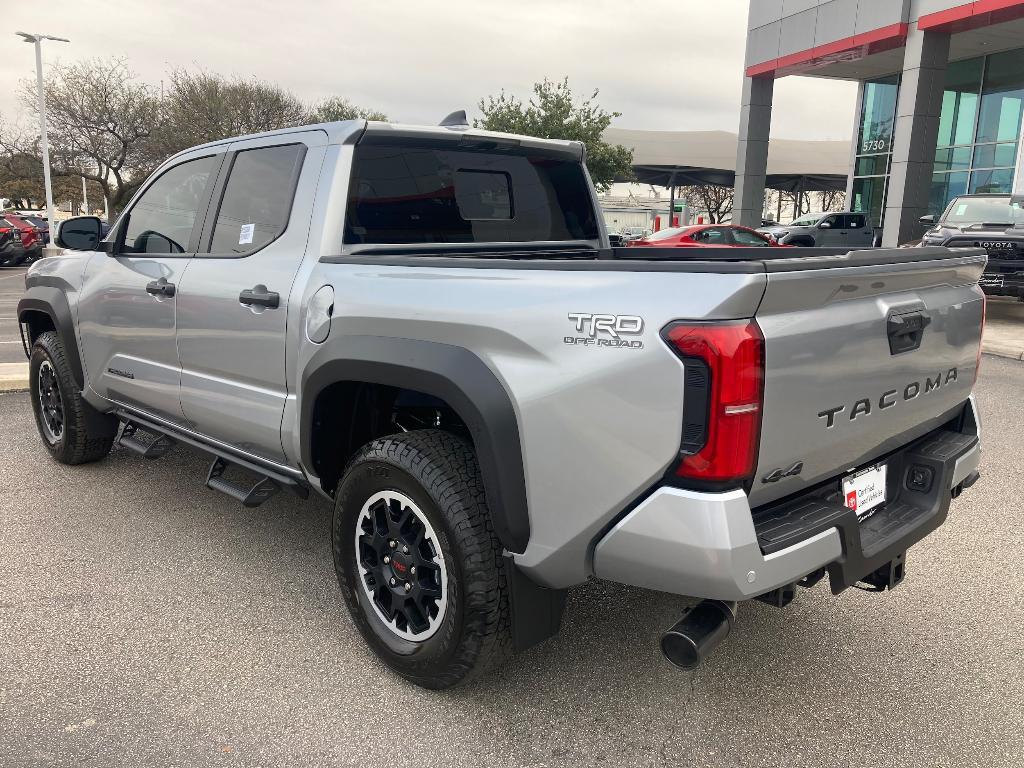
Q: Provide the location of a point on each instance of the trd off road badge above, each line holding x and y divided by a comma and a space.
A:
606, 330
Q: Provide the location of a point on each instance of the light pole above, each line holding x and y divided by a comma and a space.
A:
38, 41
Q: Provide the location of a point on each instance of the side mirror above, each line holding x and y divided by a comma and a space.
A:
82, 233
824, 225
929, 220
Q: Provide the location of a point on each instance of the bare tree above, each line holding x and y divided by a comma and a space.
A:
114, 130
716, 200
203, 106
100, 122
833, 200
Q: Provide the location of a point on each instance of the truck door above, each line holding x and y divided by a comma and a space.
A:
233, 301
835, 235
859, 233
127, 307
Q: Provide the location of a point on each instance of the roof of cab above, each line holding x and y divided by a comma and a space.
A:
351, 131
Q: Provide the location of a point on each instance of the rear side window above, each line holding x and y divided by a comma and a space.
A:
257, 199
162, 219
404, 194
750, 239
856, 221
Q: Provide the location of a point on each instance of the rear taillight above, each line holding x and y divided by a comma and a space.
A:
724, 387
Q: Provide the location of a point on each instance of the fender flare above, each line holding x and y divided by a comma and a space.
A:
52, 302
453, 374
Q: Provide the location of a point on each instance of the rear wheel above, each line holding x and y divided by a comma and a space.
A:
72, 430
417, 560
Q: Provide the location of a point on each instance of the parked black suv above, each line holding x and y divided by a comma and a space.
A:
992, 222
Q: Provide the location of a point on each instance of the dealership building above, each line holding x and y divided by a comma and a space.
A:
939, 107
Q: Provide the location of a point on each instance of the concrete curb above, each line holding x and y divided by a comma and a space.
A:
13, 377
1010, 351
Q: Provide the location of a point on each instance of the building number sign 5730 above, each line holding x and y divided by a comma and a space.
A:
877, 145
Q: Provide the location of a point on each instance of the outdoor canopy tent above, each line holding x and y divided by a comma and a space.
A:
690, 158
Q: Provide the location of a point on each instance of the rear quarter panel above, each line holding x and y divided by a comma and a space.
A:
598, 425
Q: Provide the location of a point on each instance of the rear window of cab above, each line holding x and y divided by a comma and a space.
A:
404, 193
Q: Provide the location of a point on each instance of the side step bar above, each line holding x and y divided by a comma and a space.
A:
264, 489
271, 480
152, 450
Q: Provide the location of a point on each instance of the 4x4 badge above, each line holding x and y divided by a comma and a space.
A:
777, 474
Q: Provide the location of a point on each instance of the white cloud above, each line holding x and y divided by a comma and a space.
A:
665, 65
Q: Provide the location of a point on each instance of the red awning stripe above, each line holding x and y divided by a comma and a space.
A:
847, 49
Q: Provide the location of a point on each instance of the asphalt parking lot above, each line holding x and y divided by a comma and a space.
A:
147, 621
12, 286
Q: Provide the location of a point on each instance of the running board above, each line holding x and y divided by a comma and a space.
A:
264, 489
279, 475
152, 450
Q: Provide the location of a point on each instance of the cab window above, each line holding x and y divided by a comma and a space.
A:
162, 219
257, 199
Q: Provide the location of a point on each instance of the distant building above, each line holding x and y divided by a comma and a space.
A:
940, 102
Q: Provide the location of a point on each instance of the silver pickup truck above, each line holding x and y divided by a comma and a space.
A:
426, 326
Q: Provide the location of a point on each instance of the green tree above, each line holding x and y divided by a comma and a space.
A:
338, 108
554, 113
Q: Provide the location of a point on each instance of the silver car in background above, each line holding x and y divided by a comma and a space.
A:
826, 230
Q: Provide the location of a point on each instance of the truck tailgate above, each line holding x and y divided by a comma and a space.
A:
861, 359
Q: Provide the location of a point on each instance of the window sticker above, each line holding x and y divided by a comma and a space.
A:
961, 209
245, 234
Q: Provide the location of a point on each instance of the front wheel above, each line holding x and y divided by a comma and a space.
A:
72, 431
418, 562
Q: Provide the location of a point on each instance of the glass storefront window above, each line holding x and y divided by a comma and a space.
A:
995, 155
979, 132
1002, 99
956, 159
869, 196
878, 115
872, 165
998, 182
946, 186
960, 102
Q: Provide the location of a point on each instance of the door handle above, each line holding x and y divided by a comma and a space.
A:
160, 288
259, 296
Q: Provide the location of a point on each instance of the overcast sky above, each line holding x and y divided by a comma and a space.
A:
664, 65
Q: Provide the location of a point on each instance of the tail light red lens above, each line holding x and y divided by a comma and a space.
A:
733, 355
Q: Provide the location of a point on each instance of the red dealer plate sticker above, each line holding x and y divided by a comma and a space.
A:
865, 490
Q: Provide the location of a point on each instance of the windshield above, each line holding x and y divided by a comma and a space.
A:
668, 234
808, 221
984, 210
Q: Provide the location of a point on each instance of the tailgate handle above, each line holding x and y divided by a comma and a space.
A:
906, 330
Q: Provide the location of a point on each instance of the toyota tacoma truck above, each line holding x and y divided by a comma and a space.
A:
992, 222
426, 326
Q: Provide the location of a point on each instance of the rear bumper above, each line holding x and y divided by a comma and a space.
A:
712, 545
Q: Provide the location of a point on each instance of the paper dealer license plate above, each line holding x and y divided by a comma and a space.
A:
865, 490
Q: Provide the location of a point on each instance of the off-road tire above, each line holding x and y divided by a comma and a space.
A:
439, 472
87, 435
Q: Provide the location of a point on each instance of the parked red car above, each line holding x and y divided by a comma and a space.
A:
707, 236
31, 237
